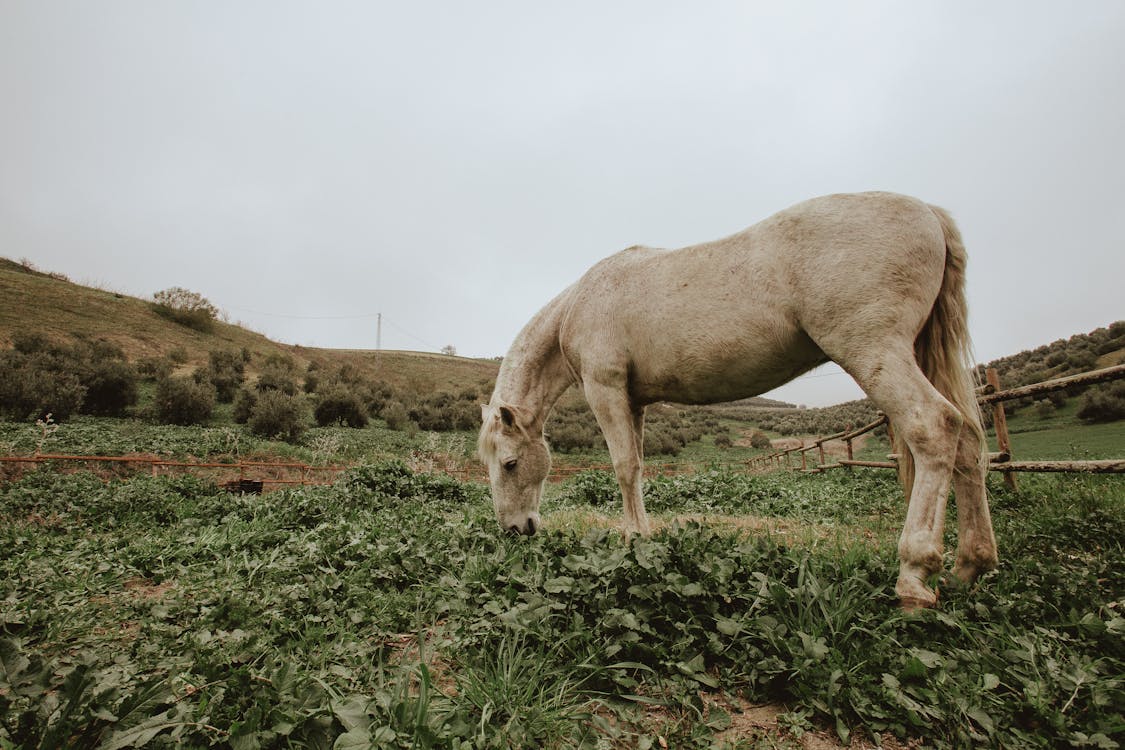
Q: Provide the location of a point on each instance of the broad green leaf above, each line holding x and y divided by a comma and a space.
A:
361, 739
727, 626
558, 585
352, 712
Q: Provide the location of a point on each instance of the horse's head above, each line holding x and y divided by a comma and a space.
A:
512, 447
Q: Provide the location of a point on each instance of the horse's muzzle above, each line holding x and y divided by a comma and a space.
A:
528, 529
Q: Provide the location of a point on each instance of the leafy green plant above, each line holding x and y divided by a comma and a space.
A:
277, 414
181, 400
388, 610
185, 307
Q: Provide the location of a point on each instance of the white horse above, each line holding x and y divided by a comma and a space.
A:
873, 281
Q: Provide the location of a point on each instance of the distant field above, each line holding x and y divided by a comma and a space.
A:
1062, 436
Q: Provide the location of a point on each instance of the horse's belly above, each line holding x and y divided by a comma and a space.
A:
705, 370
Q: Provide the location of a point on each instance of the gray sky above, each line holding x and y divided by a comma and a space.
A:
305, 165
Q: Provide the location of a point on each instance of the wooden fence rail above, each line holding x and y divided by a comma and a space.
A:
990, 395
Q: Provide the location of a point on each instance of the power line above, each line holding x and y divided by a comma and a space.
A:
408, 334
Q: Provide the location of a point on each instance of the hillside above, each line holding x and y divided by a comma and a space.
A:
35, 302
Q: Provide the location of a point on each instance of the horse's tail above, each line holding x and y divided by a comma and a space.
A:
943, 348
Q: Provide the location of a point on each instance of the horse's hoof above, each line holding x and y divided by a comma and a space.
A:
915, 604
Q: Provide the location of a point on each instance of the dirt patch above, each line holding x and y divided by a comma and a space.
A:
144, 589
761, 722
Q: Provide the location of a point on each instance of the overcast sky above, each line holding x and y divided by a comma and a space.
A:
452, 165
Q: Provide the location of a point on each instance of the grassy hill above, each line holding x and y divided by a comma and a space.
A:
48, 304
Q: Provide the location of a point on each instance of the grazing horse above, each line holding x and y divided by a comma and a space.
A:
872, 281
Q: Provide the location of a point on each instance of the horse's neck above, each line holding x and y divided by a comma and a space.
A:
535, 373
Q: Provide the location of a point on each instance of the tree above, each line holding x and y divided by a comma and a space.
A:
449, 349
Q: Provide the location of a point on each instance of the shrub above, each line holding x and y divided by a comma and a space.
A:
571, 437
723, 440
1104, 404
396, 417
659, 440
187, 308
278, 374
154, 368
759, 439
31, 388
226, 371
111, 387
278, 415
244, 404
443, 412
88, 376
182, 401
379, 394
340, 404
179, 355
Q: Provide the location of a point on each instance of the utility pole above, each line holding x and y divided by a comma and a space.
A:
378, 331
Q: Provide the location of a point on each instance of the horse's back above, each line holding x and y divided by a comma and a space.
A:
748, 312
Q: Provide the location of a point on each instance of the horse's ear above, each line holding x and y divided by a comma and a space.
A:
507, 416
483, 412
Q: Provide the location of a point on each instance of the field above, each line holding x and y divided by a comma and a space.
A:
388, 611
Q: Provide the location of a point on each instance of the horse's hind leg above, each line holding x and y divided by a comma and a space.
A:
976, 543
930, 425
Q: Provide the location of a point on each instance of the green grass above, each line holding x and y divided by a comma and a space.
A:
1063, 436
388, 611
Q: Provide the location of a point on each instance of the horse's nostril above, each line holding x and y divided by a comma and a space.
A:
531, 527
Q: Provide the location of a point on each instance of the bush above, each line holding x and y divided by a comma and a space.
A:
723, 440
279, 416
226, 371
111, 387
154, 368
443, 412
186, 308
278, 374
182, 401
90, 377
244, 404
759, 439
1105, 403
31, 388
379, 394
396, 417
340, 404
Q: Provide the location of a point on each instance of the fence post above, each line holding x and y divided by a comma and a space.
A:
1000, 422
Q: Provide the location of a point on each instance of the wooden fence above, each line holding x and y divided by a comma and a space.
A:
989, 395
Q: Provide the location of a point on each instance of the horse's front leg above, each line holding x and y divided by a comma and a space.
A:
623, 427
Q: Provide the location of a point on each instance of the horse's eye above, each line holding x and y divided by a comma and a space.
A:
510, 465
